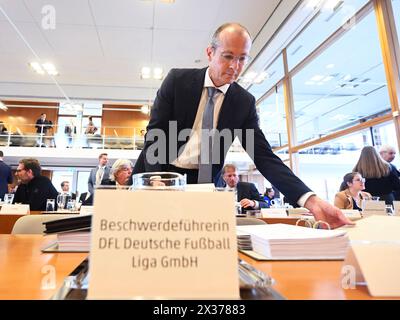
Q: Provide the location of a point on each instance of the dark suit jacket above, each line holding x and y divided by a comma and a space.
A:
5, 178
35, 193
92, 177
178, 99
249, 191
84, 201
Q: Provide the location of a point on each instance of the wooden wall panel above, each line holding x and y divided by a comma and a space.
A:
22, 117
118, 120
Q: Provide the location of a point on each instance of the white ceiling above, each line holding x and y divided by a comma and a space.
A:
99, 46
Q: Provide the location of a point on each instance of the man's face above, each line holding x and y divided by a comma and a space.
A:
65, 188
123, 175
22, 174
227, 60
103, 160
43, 116
231, 178
388, 155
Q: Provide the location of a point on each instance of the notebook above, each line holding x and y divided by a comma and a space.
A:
288, 242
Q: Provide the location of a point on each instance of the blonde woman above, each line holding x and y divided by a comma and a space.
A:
120, 174
380, 178
350, 194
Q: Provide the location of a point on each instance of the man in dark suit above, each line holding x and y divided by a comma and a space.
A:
34, 189
191, 102
101, 172
68, 194
5, 176
388, 153
245, 193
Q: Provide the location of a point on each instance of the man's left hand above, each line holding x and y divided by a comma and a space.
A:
324, 211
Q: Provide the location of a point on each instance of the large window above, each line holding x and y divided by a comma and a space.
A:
330, 17
269, 77
343, 85
273, 119
396, 12
323, 166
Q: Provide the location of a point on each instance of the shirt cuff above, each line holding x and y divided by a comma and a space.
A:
257, 206
303, 199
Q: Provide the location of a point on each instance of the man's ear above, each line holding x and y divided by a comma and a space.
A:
210, 52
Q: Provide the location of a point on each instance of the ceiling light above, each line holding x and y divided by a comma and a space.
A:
36, 67
3, 106
158, 73
168, 1
330, 66
45, 67
50, 68
145, 109
145, 73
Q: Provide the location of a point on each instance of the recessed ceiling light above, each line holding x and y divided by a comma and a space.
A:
158, 73
145, 73
47, 67
36, 67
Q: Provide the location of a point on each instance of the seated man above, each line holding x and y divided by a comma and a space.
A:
65, 190
246, 193
34, 189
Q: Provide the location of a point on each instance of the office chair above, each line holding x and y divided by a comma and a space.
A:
33, 224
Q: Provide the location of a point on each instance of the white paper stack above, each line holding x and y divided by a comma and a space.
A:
74, 241
288, 242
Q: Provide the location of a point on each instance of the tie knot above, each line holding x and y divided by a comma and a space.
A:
211, 91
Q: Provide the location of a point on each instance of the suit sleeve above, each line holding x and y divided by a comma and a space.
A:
90, 182
256, 196
161, 114
269, 164
9, 176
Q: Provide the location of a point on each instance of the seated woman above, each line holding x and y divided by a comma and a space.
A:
269, 195
351, 194
120, 175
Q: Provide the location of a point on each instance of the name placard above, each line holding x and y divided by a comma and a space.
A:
18, 209
163, 244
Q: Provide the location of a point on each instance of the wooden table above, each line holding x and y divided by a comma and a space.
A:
24, 271
7, 221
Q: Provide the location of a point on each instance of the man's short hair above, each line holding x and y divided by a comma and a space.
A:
102, 154
31, 164
228, 166
1, 154
386, 148
215, 41
63, 183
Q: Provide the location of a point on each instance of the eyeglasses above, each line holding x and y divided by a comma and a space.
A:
231, 58
359, 180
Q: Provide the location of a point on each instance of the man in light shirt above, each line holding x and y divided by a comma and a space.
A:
102, 171
183, 104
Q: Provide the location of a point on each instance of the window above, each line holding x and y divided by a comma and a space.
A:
273, 119
82, 185
330, 17
323, 166
396, 13
269, 77
342, 86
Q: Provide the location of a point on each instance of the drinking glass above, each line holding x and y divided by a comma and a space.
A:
50, 204
8, 198
61, 199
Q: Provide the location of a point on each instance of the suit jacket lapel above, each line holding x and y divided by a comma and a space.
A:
193, 96
226, 113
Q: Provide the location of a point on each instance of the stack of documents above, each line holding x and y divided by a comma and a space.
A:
288, 242
73, 234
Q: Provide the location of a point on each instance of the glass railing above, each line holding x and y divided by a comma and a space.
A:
55, 136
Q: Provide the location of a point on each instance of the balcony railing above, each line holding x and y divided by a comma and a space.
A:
54, 136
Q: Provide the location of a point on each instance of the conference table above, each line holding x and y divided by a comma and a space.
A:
27, 273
